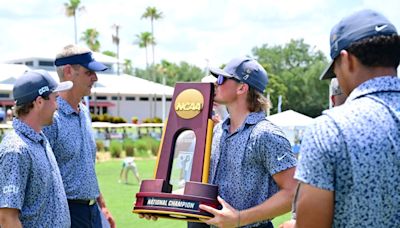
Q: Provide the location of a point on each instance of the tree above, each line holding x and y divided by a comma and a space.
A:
153, 14
184, 72
70, 11
293, 71
145, 39
128, 68
109, 53
90, 37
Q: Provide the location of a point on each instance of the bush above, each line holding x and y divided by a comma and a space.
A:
153, 144
157, 120
141, 148
117, 119
147, 120
100, 145
115, 148
107, 118
129, 146
152, 120
135, 120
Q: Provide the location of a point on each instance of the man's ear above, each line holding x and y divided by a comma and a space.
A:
67, 72
348, 60
38, 102
243, 88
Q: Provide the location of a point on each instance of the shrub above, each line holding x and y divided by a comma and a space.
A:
115, 148
141, 148
157, 120
135, 119
129, 146
147, 120
152, 143
100, 145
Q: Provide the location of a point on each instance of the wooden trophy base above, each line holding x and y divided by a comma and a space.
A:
176, 206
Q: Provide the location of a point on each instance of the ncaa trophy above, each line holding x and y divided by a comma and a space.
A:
191, 109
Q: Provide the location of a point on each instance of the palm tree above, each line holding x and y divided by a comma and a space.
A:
115, 40
70, 11
90, 37
128, 68
145, 39
153, 14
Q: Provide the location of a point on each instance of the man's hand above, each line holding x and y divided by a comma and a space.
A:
148, 217
288, 224
226, 217
108, 216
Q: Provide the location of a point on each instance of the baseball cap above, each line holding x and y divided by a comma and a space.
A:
246, 70
36, 83
358, 26
86, 60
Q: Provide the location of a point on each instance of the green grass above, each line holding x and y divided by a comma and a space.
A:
120, 197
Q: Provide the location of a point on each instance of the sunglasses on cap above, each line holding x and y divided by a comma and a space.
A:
221, 79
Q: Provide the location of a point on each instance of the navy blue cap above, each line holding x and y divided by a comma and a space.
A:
246, 70
358, 26
36, 83
86, 60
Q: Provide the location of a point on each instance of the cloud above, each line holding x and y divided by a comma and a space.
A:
198, 32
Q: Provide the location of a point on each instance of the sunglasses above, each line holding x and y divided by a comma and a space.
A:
221, 79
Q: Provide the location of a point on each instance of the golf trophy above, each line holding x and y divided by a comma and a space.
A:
191, 109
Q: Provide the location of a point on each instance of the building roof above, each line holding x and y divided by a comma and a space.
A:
108, 84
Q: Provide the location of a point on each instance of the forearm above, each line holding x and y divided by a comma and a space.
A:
280, 203
101, 202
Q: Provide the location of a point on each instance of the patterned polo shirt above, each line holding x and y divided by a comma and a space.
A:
243, 162
354, 150
73, 143
30, 180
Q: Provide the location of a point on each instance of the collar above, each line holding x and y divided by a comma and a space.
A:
251, 119
378, 84
27, 131
65, 107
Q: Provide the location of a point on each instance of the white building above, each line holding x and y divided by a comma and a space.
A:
118, 95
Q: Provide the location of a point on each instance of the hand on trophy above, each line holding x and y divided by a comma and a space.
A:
148, 217
226, 217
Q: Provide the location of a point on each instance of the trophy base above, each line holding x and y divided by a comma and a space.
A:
177, 206
173, 215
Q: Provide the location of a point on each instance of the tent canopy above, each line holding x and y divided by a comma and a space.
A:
290, 118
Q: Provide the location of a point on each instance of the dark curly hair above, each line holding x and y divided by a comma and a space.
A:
377, 51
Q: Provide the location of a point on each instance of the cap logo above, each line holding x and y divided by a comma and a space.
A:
379, 28
43, 90
247, 75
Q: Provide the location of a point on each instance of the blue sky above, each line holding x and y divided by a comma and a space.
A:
199, 32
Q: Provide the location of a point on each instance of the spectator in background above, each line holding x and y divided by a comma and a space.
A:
128, 164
